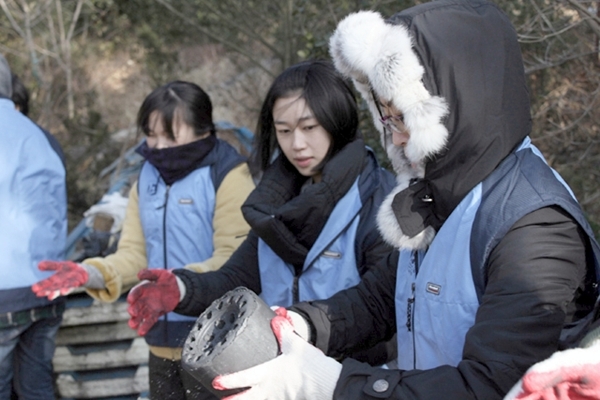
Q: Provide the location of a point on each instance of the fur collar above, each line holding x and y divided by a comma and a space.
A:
454, 68
393, 70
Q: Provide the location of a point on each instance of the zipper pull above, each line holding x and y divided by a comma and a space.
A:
409, 308
164, 205
409, 313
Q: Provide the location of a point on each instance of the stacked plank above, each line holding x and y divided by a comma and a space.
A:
97, 355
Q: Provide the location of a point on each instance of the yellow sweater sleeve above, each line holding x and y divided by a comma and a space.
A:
230, 227
120, 268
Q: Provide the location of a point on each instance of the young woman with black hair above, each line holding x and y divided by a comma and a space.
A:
312, 216
183, 213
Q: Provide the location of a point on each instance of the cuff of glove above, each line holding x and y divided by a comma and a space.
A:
187, 282
300, 325
181, 287
95, 278
592, 337
326, 376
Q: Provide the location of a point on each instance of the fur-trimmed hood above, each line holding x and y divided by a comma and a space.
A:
454, 69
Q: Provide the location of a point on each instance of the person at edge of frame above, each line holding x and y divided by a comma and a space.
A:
20, 96
33, 196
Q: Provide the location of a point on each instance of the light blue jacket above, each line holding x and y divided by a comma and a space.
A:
33, 208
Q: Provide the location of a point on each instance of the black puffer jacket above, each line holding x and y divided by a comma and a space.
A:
514, 328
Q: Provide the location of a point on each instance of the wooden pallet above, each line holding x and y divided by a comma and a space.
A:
106, 383
100, 356
97, 355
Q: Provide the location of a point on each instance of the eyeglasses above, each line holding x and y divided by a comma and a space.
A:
388, 122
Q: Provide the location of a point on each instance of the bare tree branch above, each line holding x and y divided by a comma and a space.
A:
547, 65
525, 38
589, 107
592, 20
74, 20
238, 25
12, 20
215, 37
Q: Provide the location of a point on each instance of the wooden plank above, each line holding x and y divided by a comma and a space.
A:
105, 384
94, 333
107, 355
96, 313
133, 396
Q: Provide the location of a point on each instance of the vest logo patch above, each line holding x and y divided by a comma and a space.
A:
433, 288
152, 189
332, 254
186, 201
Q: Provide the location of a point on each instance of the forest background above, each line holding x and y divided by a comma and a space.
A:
89, 64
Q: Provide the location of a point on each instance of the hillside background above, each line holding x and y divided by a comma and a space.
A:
89, 64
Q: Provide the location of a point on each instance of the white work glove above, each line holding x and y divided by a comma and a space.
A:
300, 325
300, 372
114, 205
566, 375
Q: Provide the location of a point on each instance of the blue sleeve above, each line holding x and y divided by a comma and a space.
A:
33, 199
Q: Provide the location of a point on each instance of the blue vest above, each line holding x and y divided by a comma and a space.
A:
438, 291
330, 265
177, 222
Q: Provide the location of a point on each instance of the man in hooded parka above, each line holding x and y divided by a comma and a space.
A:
497, 263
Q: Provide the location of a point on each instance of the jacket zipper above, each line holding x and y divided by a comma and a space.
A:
165, 227
410, 322
166, 333
410, 315
296, 289
409, 305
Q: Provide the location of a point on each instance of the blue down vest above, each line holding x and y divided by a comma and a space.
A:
438, 290
177, 225
330, 265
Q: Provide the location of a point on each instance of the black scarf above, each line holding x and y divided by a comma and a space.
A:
289, 219
175, 163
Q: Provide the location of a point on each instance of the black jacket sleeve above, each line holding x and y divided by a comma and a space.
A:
203, 288
537, 279
370, 248
371, 251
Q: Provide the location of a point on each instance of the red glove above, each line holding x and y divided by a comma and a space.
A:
69, 275
282, 312
155, 296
